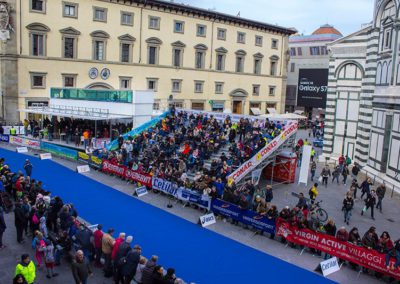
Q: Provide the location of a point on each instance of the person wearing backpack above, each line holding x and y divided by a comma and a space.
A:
49, 259
120, 258
348, 204
128, 269
38, 244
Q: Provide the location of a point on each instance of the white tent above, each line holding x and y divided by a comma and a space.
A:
285, 116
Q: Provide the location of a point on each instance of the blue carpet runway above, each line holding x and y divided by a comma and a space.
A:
197, 254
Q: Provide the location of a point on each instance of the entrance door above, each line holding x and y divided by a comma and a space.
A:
237, 107
350, 150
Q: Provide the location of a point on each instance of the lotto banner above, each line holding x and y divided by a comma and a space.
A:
124, 172
25, 142
367, 258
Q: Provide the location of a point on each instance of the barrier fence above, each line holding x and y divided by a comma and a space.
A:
368, 258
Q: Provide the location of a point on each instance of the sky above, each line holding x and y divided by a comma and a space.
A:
304, 15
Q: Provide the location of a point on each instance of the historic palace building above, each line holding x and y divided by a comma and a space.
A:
190, 57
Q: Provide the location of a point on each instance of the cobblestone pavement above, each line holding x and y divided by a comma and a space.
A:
332, 196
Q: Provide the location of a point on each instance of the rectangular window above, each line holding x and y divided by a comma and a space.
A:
125, 52
271, 90
292, 67
152, 55
239, 63
69, 47
292, 51
387, 38
221, 34
299, 51
220, 62
314, 50
259, 40
37, 44
199, 64
70, 10
198, 86
38, 6
274, 44
69, 81
156, 105
256, 90
198, 106
99, 50
176, 86
257, 66
201, 30
241, 37
126, 18
324, 50
38, 80
99, 14
219, 87
177, 57
154, 23
125, 83
152, 84
178, 27
273, 68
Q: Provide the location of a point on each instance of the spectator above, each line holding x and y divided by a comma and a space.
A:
28, 167
342, 234
380, 193
354, 171
107, 244
335, 174
26, 268
353, 188
3, 227
19, 221
97, 239
120, 257
354, 237
348, 204
269, 194
129, 269
117, 243
63, 247
81, 269
370, 239
313, 193
395, 253
19, 279
313, 169
345, 173
302, 201
365, 187
83, 238
49, 259
43, 227
147, 273
370, 203
158, 275
38, 244
326, 173
170, 277
385, 243
139, 270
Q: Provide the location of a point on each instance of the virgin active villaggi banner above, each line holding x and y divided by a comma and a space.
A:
247, 217
124, 172
252, 163
368, 258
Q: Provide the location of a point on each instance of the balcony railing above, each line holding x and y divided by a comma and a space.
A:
117, 96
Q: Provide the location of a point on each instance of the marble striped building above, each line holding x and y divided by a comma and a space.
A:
363, 106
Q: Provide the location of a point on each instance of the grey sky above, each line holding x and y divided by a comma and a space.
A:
305, 15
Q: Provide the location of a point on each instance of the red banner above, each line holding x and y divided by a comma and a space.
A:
367, 258
124, 172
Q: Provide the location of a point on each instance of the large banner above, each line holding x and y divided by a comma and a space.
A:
312, 88
268, 149
247, 217
4, 138
25, 142
124, 172
368, 258
90, 160
59, 150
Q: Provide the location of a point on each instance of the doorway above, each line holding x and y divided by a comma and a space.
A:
237, 107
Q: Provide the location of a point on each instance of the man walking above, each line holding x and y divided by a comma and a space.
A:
365, 187
313, 169
380, 193
28, 167
348, 204
355, 170
26, 268
326, 173
370, 203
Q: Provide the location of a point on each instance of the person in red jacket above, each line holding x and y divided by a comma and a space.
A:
97, 237
118, 241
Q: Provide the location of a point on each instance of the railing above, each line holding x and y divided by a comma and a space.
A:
118, 96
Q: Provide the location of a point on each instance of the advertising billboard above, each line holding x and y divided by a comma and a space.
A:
312, 88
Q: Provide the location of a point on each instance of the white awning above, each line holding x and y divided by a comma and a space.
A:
271, 110
81, 113
255, 111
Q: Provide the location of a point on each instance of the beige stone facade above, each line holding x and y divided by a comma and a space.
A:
174, 49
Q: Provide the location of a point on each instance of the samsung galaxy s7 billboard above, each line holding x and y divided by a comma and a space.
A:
312, 88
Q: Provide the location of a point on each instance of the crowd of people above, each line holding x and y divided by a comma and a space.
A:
58, 236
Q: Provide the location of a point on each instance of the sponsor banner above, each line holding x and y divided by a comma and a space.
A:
165, 186
124, 172
207, 220
329, 266
83, 169
60, 151
268, 149
25, 142
140, 191
247, 217
95, 162
83, 157
312, 88
22, 150
45, 156
4, 138
367, 258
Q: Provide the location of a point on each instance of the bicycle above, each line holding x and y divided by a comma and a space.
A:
320, 213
